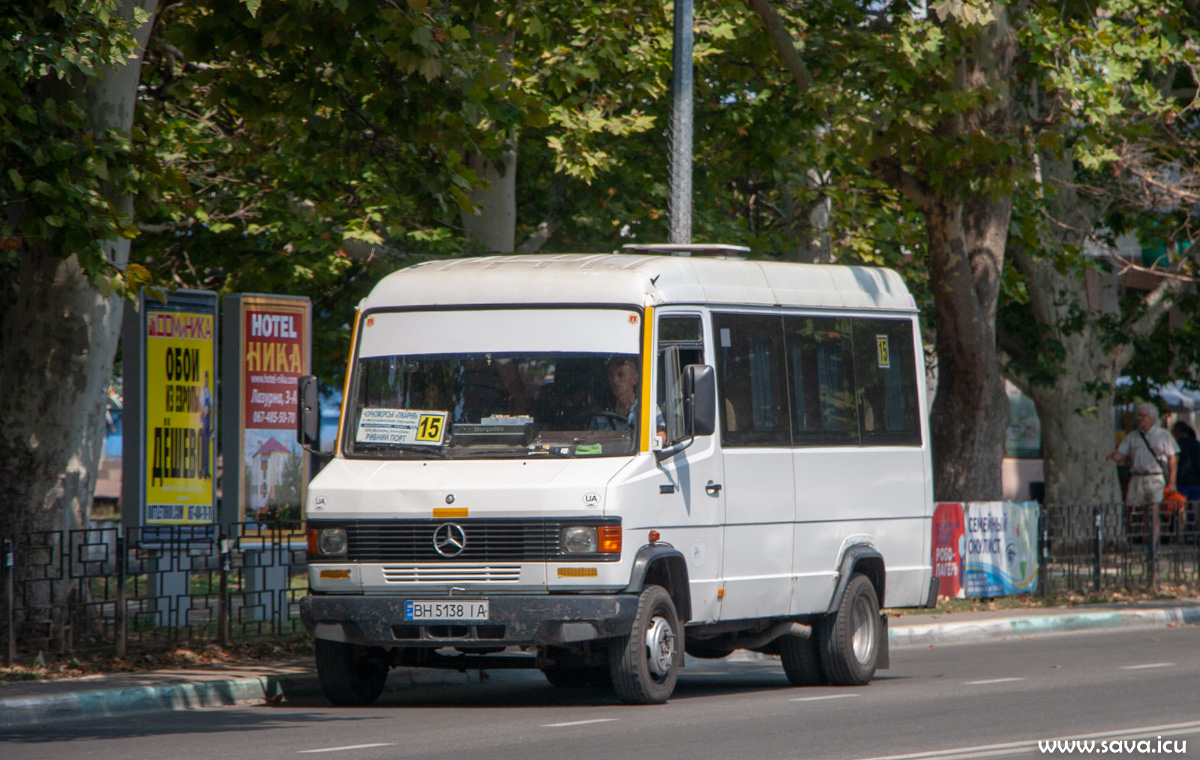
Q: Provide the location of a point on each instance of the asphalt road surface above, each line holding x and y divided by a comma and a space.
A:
964, 701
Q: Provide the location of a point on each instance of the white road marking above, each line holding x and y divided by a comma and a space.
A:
1012, 748
992, 680
343, 749
829, 696
579, 723
1150, 665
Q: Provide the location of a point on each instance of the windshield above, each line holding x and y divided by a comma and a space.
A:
448, 396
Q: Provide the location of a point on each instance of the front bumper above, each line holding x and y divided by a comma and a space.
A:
517, 620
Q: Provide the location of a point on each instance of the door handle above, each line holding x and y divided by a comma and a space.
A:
713, 489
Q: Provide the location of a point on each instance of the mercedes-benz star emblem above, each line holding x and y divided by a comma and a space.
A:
449, 540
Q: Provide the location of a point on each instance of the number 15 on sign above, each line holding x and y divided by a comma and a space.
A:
430, 427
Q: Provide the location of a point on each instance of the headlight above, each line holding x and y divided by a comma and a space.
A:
579, 539
331, 541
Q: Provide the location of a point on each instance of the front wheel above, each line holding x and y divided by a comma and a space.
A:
645, 664
850, 644
350, 675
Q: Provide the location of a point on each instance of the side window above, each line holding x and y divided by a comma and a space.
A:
821, 373
752, 380
885, 372
680, 343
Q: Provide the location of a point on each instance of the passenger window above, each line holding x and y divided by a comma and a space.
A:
752, 380
821, 371
886, 375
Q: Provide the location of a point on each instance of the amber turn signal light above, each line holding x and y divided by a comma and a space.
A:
610, 539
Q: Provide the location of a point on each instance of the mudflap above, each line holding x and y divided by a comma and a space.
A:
883, 661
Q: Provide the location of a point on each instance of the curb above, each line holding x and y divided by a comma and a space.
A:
118, 701
25, 712
1001, 628
102, 703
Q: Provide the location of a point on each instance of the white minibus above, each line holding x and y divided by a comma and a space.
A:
592, 464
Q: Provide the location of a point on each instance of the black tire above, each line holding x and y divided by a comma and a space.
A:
350, 675
592, 676
637, 679
849, 643
801, 658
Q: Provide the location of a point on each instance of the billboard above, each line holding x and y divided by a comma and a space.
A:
266, 347
985, 548
1002, 548
170, 411
949, 549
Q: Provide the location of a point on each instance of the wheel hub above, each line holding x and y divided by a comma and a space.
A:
863, 625
660, 645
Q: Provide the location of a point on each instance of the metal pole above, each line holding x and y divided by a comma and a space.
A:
679, 214
223, 636
10, 604
122, 612
1152, 559
1043, 550
1099, 549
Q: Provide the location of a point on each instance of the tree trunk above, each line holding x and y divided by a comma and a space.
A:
495, 226
1076, 412
970, 409
60, 337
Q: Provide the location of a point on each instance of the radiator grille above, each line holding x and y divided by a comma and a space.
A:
452, 573
487, 540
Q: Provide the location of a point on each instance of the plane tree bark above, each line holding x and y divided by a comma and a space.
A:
60, 313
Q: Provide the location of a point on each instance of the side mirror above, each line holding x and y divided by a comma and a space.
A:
700, 398
308, 413
699, 407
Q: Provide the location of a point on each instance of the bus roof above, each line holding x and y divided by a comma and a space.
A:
640, 280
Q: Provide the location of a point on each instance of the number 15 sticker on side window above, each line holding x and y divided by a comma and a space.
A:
885, 357
390, 426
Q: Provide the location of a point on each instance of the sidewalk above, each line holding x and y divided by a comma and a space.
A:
27, 704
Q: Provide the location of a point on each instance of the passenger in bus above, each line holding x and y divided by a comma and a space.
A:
623, 377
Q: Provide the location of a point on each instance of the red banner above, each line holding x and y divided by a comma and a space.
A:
274, 358
949, 549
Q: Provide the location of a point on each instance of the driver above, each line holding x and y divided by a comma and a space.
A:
623, 379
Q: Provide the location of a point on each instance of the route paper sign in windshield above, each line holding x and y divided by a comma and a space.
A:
401, 426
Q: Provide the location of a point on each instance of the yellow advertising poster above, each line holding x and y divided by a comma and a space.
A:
180, 418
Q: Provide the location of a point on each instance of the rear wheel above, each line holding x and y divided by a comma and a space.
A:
349, 674
850, 644
801, 660
645, 664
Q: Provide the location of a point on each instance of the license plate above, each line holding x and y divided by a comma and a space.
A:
469, 609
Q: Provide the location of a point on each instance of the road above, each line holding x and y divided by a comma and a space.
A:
963, 701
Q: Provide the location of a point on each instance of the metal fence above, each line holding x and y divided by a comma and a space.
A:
112, 589
1096, 547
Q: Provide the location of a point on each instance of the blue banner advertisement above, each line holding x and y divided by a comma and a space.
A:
1001, 543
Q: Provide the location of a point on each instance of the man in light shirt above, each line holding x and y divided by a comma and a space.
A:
1151, 452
